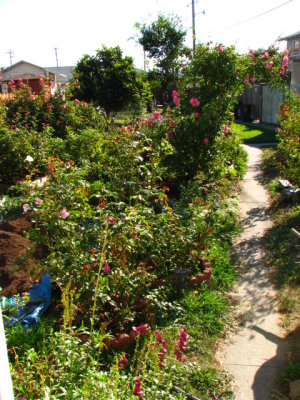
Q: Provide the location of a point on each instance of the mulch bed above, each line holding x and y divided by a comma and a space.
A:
18, 257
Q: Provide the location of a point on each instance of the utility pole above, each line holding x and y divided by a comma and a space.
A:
193, 26
10, 52
55, 49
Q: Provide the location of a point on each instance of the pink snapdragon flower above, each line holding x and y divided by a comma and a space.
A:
179, 356
138, 389
122, 361
158, 336
141, 330
106, 268
194, 102
64, 213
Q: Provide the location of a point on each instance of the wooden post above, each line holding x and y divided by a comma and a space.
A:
6, 389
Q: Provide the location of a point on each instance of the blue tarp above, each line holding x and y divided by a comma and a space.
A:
39, 301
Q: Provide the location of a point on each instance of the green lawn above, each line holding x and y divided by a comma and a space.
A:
255, 134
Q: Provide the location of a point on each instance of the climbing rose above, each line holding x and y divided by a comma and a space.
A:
266, 55
38, 201
194, 102
285, 61
155, 115
269, 65
246, 80
48, 107
226, 130
64, 106
282, 70
64, 213
176, 101
221, 48
205, 141
196, 115
106, 268
25, 207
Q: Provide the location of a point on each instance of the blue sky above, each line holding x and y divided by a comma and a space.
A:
33, 28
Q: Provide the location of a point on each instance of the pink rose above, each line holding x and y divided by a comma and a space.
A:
64, 213
194, 102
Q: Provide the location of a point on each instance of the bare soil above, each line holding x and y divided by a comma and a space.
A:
19, 258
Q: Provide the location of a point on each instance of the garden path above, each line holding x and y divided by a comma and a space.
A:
254, 354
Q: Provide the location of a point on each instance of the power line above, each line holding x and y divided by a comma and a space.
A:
251, 18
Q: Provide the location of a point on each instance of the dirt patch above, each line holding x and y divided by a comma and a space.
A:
18, 257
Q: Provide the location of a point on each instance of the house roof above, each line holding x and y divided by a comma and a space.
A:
23, 69
22, 62
292, 36
63, 74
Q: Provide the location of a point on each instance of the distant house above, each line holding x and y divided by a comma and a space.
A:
62, 74
293, 45
26, 71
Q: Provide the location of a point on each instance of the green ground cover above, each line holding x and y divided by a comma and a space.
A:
255, 134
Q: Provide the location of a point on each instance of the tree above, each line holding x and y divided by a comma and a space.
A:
163, 42
108, 80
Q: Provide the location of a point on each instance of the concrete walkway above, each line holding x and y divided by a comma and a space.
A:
254, 354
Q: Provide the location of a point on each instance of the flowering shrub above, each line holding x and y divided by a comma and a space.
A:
288, 151
36, 124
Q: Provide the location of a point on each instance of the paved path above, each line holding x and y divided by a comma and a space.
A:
254, 354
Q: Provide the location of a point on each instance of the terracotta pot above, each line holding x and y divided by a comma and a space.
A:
207, 273
120, 342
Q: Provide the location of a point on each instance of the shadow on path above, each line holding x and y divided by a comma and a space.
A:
272, 368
